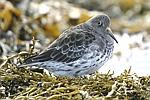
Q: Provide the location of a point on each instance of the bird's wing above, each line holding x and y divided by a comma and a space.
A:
69, 47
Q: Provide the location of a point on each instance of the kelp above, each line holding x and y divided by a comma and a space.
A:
25, 83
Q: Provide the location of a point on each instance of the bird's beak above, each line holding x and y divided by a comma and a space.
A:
109, 32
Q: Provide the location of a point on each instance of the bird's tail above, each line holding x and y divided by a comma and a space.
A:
28, 62
25, 65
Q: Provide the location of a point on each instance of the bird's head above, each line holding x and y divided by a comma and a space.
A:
101, 24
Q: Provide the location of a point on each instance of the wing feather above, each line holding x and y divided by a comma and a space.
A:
69, 47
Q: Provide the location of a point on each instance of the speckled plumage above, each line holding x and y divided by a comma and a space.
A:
78, 51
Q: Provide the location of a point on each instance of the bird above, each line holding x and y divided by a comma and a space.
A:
78, 51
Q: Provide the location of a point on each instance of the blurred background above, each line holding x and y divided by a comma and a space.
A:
20, 20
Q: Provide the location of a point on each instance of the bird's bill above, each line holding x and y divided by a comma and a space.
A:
109, 32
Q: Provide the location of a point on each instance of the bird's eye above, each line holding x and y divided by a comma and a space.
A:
100, 23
